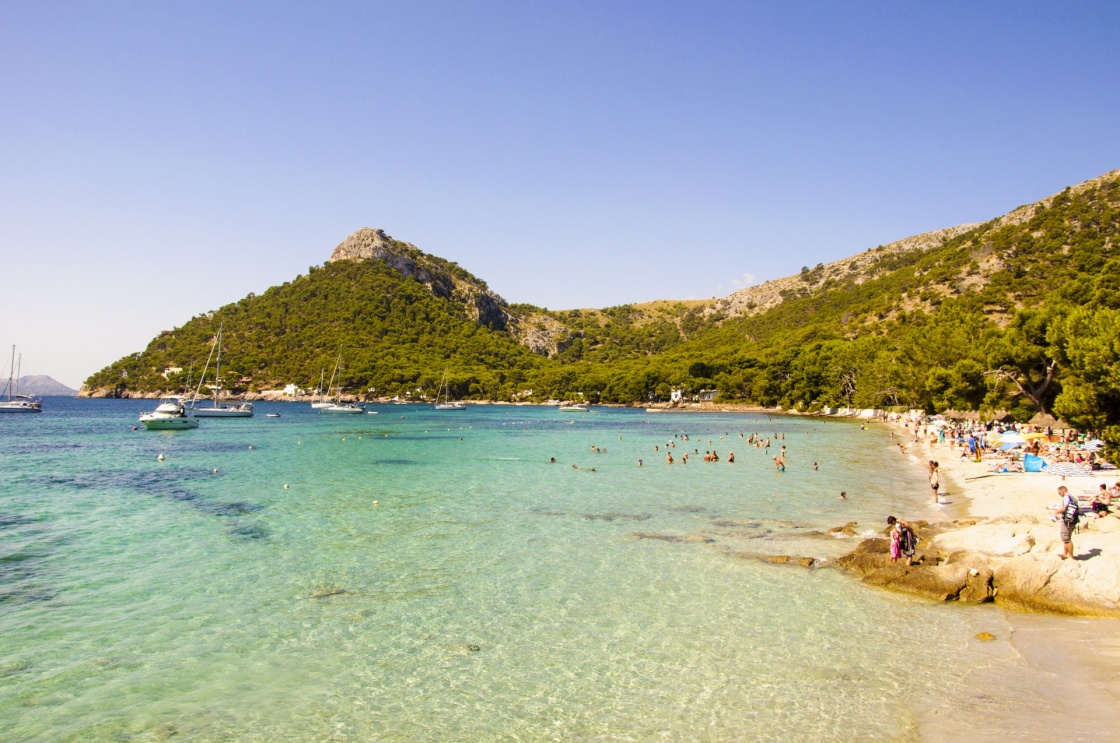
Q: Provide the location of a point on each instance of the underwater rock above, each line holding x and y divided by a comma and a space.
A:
324, 591
692, 538
617, 516
249, 531
805, 562
14, 667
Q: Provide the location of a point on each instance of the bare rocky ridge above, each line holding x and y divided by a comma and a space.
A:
443, 278
754, 300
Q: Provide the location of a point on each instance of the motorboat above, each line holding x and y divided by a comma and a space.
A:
577, 408
217, 409
170, 415
15, 402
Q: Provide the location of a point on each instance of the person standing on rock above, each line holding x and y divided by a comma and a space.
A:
903, 540
1067, 514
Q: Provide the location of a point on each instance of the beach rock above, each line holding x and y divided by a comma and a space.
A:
693, 538
805, 562
848, 529
937, 582
870, 555
1106, 524
1048, 584
993, 540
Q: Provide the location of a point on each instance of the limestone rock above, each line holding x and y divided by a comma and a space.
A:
993, 540
443, 278
848, 529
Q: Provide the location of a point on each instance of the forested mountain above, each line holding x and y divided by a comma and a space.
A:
1021, 313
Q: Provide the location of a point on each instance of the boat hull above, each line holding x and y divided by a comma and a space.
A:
451, 406
342, 410
9, 407
168, 424
222, 413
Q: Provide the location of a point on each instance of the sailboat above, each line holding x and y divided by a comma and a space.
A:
321, 402
444, 394
216, 409
338, 407
17, 403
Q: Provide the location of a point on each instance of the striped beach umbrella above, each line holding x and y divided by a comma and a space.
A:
1067, 469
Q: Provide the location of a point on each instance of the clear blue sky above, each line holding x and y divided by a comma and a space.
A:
158, 160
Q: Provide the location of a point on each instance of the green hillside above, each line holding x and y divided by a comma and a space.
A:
1021, 313
394, 333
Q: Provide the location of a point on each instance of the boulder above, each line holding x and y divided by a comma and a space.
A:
848, 529
992, 540
950, 582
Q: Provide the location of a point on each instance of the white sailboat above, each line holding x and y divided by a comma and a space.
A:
338, 407
445, 393
321, 402
216, 409
17, 403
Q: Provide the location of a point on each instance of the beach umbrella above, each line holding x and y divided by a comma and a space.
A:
1067, 469
1009, 437
1009, 445
1033, 436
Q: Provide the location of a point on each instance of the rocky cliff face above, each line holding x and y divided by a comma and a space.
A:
443, 278
754, 300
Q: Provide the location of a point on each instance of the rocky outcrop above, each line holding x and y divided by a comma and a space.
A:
754, 300
443, 278
1013, 562
932, 576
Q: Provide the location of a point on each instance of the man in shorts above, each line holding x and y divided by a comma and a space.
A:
1066, 513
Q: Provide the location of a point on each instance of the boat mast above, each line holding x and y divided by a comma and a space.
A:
218, 366
11, 373
19, 370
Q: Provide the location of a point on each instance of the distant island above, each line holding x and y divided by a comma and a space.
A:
43, 386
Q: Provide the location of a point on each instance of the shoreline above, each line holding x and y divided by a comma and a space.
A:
1062, 653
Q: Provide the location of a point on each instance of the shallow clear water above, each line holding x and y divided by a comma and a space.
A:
486, 595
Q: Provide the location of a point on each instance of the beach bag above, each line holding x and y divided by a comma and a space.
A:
908, 541
1072, 514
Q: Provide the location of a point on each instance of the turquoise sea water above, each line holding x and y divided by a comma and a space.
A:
486, 595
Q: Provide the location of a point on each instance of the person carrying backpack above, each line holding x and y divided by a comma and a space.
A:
904, 540
1067, 513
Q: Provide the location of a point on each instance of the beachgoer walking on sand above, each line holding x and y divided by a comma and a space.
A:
1067, 514
934, 480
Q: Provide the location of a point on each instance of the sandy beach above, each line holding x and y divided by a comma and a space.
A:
1065, 641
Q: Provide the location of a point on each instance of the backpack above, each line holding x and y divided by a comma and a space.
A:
907, 541
1072, 514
